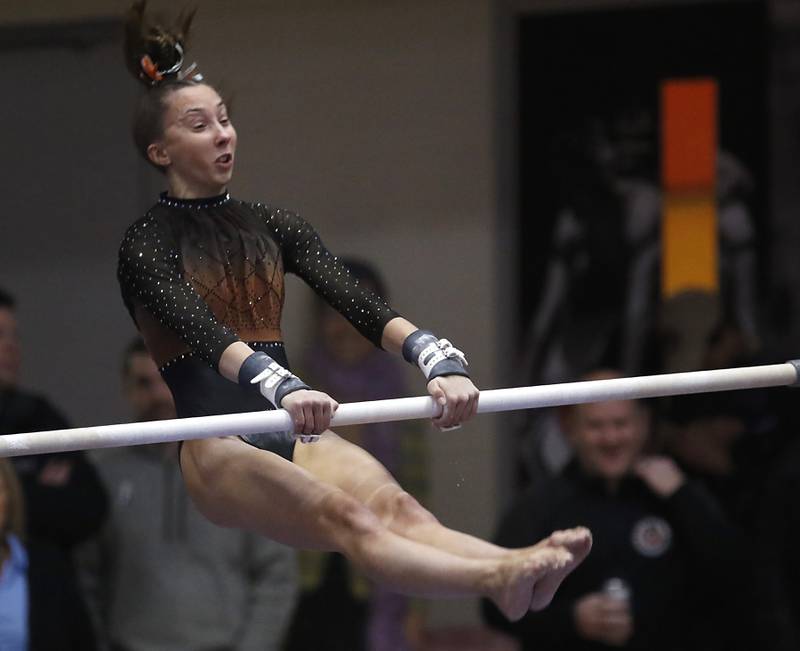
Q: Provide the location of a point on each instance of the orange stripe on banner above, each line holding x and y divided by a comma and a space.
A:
689, 134
690, 256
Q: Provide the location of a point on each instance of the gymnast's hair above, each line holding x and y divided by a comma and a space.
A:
154, 56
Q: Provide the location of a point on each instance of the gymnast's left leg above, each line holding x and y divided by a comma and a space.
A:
352, 469
237, 485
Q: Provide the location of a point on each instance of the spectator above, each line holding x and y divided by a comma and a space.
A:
160, 576
725, 440
40, 606
352, 614
600, 291
662, 550
778, 570
64, 498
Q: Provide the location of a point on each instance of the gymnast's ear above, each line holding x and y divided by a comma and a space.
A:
157, 154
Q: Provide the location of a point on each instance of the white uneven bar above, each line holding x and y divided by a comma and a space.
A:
355, 413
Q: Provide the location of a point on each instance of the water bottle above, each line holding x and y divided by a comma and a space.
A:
617, 589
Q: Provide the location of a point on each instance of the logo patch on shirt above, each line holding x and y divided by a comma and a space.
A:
651, 536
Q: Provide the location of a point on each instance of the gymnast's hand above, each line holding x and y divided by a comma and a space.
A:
458, 397
311, 412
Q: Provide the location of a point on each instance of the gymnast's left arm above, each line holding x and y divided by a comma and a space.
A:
444, 366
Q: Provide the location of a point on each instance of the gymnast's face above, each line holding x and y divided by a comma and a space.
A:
198, 146
608, 437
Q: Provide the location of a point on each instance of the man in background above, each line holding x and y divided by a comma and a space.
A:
160, 577
665, 565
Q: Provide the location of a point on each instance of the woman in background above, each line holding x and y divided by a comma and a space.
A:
41, 608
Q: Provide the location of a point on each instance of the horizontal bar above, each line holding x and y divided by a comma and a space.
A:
357, 413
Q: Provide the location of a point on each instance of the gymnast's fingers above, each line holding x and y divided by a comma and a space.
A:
459, 415
473, 404
308, 413
298, 417
322, 415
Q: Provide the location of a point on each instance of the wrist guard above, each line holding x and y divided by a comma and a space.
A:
435, 357
273, 381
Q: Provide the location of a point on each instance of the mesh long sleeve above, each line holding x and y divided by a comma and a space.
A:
305, 255
150, 274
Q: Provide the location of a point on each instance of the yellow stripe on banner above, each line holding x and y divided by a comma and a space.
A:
690, 251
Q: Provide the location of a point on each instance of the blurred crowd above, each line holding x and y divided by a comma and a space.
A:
689, 498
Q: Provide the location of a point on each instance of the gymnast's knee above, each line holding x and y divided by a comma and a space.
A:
348, 517
405, 512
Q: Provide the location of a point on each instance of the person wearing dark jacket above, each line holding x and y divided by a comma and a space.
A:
663, 552
65, 500
777, 564
159, 576
41, 608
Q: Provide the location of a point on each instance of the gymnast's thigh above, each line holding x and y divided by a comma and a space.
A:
337, 461
237, 485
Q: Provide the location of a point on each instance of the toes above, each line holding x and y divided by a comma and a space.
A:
549, 560
577, 540
568, 536
563, 558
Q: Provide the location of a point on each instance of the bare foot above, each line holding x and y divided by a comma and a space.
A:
512, 582
578, 542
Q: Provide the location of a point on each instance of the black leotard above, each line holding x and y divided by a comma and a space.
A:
198, 275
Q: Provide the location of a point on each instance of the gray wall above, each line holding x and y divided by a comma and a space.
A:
70, 185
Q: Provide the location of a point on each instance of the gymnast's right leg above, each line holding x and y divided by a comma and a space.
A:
237, 485
372, 485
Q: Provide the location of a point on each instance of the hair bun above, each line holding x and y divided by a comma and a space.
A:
154, 53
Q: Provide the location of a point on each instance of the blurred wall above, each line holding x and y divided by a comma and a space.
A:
70, 183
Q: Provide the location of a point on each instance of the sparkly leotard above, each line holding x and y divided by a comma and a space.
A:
200, 274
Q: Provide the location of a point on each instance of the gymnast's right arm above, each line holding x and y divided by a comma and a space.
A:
150, 275
151, 278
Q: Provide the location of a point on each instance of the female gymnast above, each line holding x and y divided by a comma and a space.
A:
202, 276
